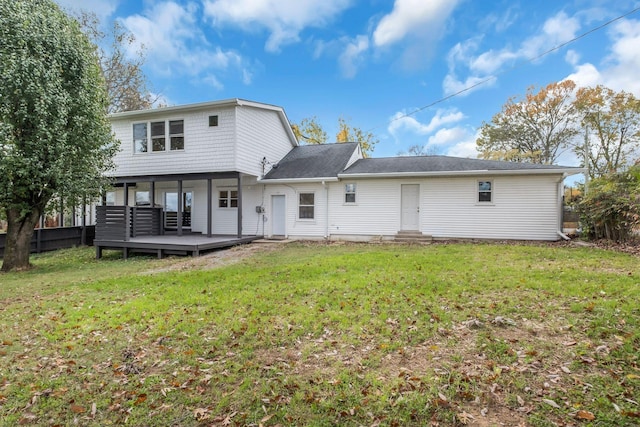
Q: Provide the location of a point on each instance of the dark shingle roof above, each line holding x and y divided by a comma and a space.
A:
313, 161
420, 164
330, 160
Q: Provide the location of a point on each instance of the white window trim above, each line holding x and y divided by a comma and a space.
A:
355, 194
167, 137
314, 207
477, 193
228, 199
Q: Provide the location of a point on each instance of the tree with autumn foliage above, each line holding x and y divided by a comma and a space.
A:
309, 131
612, 123
535, 129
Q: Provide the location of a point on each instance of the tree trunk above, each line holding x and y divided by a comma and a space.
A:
19, 234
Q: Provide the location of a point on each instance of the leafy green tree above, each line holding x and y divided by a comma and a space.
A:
309, 131
611, 208
536, 129
613, 119
55, 139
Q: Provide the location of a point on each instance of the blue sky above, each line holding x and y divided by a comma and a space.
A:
373, 61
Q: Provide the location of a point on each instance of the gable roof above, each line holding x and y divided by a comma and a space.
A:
313, 162
331, 162
445, 165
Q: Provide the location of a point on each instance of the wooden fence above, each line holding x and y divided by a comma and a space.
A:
50, 239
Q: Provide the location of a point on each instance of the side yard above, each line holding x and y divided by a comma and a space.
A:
317, 334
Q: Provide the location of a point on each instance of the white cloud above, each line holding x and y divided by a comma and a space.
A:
412, 16
447, 136
619, 70
556, 30
174, 45
284, 19
402, 123
351, 57
466, 149
452, 85
102, 8
457, 141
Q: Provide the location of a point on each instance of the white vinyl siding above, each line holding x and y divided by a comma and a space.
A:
261, 135
206, 149
522, 208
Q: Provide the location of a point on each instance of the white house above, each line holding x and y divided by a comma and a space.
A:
200, 162
234, 168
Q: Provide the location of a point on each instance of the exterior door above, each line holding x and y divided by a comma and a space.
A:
410, 207
278, 216
171, 209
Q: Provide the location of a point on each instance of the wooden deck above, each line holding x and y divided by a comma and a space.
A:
163, 245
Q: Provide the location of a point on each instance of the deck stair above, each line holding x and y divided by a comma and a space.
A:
412, 237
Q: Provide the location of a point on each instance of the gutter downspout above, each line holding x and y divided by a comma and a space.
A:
560, 231
326, 210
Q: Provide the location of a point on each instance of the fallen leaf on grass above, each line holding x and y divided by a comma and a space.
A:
464, 417
201, 414
585, 415
266, 418
551, 403
76, 409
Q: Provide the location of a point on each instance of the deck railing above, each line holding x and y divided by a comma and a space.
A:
120, 223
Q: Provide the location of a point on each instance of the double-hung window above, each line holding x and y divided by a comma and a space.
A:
306, 206
485, 191
140, 137
176, 134
158, 136
349, 193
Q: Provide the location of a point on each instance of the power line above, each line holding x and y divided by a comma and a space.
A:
508, 70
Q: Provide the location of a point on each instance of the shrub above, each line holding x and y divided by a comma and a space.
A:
611, 208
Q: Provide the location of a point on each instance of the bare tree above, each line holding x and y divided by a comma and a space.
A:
121, 64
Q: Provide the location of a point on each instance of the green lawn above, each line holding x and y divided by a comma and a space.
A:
314, 334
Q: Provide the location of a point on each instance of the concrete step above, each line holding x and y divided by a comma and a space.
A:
412, 237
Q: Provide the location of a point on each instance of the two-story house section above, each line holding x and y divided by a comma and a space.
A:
199, 163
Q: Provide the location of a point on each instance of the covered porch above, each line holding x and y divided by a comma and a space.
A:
141, 224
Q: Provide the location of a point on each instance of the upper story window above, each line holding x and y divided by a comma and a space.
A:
350, 193
176, 133
140, 137
306, 206
156, 133
485, 191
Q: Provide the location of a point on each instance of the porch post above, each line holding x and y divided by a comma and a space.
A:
152, 196
239, 205
179, 214
209, 201
126, 194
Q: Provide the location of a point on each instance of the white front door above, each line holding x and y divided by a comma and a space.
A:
278, 216
410, 207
